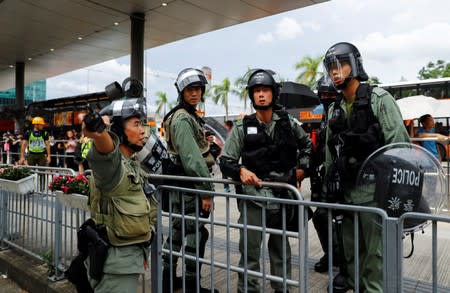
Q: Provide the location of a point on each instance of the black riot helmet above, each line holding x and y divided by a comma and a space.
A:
122, 110
325, 86
326, 92
263, 77
190, 77
345, 53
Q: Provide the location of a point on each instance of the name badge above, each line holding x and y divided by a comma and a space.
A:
252, 130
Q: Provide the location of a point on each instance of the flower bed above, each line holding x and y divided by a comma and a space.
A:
21, 186
70, 184
17, 179
71, 191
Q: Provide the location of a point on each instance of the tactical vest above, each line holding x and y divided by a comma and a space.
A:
262, 154
36, 144
126, 212
199, 137
362, 134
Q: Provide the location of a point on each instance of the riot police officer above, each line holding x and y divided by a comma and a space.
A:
123, 216
327, 94
267, 142
364, 119
189, 153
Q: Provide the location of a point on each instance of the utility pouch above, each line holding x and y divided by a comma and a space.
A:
130, 220
97, 252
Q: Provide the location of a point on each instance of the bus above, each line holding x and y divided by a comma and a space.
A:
62, 113
437, 88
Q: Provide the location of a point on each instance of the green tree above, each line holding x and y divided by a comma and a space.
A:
162, 102
435, 70
309, 68
220, 94
240, 88
373, 80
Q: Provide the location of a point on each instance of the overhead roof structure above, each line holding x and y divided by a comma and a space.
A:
56, 36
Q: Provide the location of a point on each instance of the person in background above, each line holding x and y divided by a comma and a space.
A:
85, 145
54, 160
69, 146
428, 131
269, 145
229, 126
36, 141
15, 148
327, 95
60, 150
7, 147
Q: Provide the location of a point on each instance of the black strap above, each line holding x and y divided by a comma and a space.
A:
412, 246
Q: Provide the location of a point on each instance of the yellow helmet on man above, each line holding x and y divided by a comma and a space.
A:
38, 120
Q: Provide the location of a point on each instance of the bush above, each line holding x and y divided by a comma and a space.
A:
14, 173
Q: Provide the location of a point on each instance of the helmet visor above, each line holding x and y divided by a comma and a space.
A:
334, 66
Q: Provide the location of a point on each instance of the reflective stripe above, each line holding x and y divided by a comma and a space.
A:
117, 108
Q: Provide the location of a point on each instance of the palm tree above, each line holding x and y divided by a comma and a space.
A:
162, 102
240, 88
309, 68
220, 94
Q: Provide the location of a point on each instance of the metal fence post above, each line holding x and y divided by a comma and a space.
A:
57, 248
391, 252
3, 217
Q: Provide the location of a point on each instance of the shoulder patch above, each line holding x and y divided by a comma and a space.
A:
377, 91
240, 122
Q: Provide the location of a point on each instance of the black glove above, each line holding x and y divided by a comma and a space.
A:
334, 185
94, 122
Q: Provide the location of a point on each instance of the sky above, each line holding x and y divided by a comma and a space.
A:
396, 39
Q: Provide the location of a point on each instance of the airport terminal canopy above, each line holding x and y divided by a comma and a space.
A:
56, 36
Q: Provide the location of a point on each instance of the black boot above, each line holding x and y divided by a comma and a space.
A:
340, 284
191, 287
322, 265
177, 282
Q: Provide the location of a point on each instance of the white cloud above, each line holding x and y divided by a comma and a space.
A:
405, 52
288, 29
265, 38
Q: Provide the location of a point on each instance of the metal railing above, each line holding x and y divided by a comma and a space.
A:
39, 225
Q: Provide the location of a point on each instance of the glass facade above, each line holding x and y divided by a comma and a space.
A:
34, 91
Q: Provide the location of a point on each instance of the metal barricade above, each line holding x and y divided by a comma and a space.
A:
39, 225
223, 233
221, 260
42, 227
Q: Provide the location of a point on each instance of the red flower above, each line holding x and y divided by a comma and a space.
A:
70, 184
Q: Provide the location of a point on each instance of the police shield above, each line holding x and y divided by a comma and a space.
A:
403, 178
153, 154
